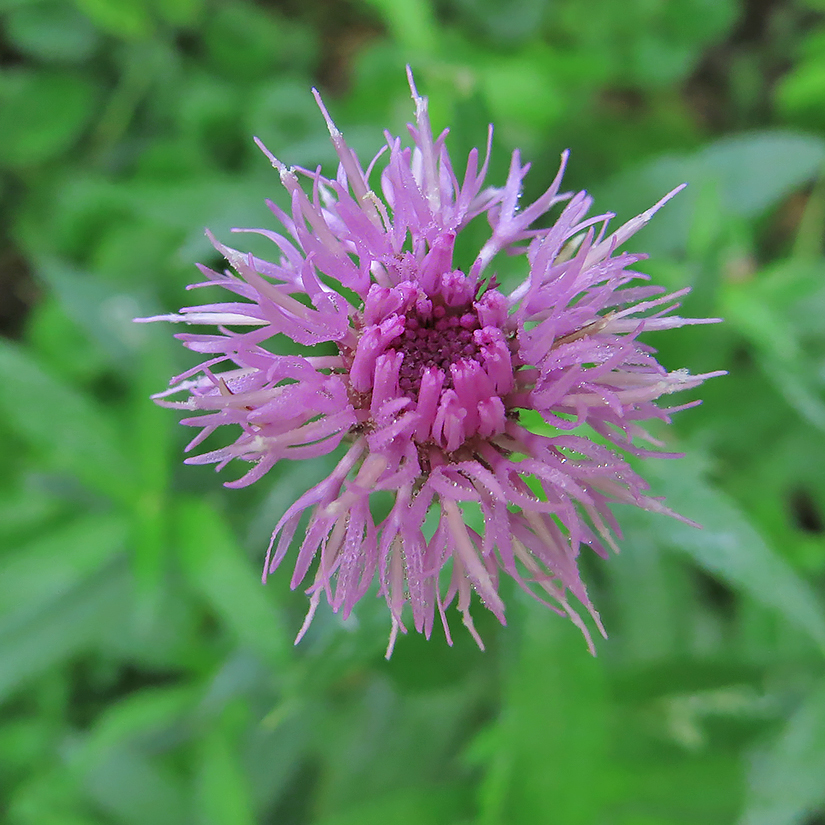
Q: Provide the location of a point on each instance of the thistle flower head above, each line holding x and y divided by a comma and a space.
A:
426, 375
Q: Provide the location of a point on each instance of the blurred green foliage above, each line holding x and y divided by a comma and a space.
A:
145, 674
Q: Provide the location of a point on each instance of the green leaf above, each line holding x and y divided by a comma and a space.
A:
785, 781
134, 789
411, 23
285, 117
509, 22
150, 445
41, 115
664, 789
520, 90
217, 568
68, 626
219, 202
100, 309
799, 92
129, 19
756, 170
728, 546
244, 41
24, 512
651, 628
750, 173
48, 796
62, 347
549, 741
223, 792
51, 31
24, 742
135, 720
38, 573
179, 12
770, 312
421, 805
66, 430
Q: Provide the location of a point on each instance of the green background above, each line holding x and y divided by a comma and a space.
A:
146, 676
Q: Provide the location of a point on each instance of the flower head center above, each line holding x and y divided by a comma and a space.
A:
439, 357
438, 339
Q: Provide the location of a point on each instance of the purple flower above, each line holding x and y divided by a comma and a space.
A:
429, 376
